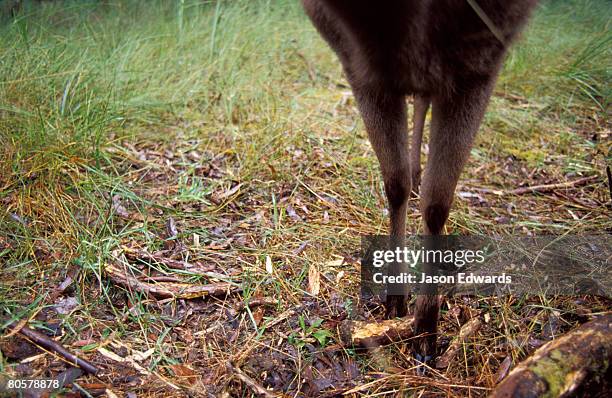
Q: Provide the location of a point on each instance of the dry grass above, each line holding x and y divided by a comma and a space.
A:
236, 123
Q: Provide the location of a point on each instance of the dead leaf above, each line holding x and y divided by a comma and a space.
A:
335, 263
83, 343
119, 209
269, 268
64, 285
171, 230
19, 219
66, 305
220, 197
339, 276
141, 356
68, 376
292, 213
17, 348
300, 248
185, 373
258, 314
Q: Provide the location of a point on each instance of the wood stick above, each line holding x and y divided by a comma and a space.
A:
257, 302
253, 385
50, 345
169, 289
371, 334
540, 188
195, 268
467, 330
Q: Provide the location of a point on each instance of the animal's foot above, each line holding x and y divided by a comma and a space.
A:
424, 348
423, 363
396, 307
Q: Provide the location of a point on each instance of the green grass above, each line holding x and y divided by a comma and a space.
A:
564, 57
115, 116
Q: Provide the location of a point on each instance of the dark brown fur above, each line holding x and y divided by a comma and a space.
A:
443, 52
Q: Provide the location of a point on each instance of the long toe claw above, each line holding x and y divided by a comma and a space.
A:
422, 363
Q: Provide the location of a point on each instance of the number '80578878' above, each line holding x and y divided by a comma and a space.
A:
36, 384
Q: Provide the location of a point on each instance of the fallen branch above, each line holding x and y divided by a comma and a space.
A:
311, 74
469, 329
252, 384
194, 268
50, 345
539, 188
575, 362
169, 289
257, 302
370, 334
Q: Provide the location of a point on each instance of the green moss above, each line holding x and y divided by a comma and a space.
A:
554, 370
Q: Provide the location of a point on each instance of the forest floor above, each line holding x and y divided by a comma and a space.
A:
217, 144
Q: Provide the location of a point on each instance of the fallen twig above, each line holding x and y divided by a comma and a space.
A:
253, 385
309, 68
257, 302
539, 188
504, 367
194, 268
50, 345
169, 289
370, 334
467, 330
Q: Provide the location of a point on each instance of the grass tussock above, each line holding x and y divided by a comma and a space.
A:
233, 120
